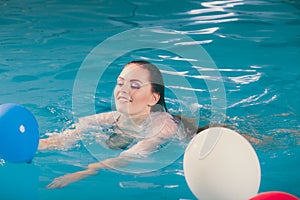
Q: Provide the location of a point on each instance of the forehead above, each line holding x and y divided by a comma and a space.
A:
134, 71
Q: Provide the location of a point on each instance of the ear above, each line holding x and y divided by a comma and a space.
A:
154, 99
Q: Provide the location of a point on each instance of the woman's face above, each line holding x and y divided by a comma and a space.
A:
133, 92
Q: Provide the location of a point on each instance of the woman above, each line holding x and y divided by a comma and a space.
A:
141, 122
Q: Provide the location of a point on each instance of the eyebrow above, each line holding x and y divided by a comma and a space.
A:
131, 80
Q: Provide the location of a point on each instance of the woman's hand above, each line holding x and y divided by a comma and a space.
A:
43, 144
65, 180
60, 141
93, 169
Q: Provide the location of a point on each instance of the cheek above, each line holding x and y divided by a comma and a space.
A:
141, 97
115, 92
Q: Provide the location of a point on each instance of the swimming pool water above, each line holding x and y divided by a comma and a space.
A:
254, 44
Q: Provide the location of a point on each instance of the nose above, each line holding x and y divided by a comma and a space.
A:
125, 87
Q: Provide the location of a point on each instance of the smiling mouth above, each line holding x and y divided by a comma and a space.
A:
124, 99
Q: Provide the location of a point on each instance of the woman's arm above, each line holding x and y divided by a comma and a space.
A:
140, 150
91, 170
69, 137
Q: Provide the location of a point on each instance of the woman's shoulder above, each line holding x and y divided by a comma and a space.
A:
184, 127
160, 115
161, 122
101, 118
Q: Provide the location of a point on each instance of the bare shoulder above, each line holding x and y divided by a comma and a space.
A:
163, 123
100, 118
157, 116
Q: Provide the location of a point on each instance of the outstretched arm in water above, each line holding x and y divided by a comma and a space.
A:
91, 170
67, 138
140, 150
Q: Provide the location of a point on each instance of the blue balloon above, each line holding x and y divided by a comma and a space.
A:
19, 133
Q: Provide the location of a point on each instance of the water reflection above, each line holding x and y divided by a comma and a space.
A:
215, 12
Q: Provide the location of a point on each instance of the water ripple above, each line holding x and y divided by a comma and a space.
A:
246, 79
223, 4
137, 184
200, 31
186, 88
255, 100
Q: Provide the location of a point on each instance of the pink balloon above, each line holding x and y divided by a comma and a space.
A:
274, 196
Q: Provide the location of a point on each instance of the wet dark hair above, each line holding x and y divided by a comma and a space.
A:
158, 86
118, 141
157, 83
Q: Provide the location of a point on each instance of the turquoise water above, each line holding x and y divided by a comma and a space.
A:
254, 44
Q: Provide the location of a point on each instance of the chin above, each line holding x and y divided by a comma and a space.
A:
122, 109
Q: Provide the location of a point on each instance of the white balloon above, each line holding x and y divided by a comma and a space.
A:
220, 164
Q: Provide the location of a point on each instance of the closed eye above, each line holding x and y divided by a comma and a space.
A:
135, 85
